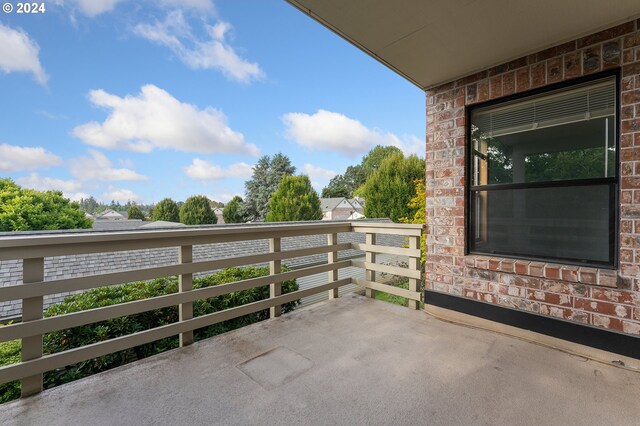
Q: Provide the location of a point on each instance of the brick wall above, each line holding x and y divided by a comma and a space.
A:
597, 297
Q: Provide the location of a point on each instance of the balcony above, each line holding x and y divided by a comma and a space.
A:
350, 360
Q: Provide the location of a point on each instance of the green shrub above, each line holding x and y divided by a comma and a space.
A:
9, 354
104, 296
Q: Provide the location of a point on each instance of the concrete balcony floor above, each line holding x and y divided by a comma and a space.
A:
349, 361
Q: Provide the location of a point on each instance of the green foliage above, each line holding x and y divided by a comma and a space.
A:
30, 210
372, 161
9, 354
392, 298
345, 185
354, 177
390, 188
197, 211
105, 296
234, 211
267, 174
215, 204
295, 199
166, 210
419, 204
134, 212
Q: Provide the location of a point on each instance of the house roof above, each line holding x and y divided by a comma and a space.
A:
111, 214
431, 42
328, 204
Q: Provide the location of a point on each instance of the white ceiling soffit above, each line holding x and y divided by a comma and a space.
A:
430, 42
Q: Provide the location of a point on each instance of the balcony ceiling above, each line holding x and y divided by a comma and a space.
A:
432, 42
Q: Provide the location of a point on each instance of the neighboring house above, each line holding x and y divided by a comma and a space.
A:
110, 214
218, 212
341, 208
532, 154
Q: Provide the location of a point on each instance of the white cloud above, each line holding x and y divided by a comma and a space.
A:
99, 167
41, 183
155, 119
18, 53
204, 170
319, 176
223, 197
332, 131
93, 8
318, 172
121, 195
76, 196
15, 158
211, 53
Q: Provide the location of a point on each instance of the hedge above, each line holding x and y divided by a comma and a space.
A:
104, 296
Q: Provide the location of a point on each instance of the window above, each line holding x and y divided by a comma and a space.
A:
544, 177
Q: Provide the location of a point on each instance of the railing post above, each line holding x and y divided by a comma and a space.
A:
371, 258
414, 264
185, 283
32, 271
275, 288
332, 257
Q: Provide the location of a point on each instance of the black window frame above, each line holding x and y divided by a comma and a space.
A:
612, 182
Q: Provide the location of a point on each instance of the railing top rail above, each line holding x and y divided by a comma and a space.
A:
22, 246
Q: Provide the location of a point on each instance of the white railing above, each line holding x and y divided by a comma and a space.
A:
33, 249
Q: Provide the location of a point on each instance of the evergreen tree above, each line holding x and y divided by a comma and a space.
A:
134, 212
166, 210
234, 211
197, 211
295, 199
388, 191
30, 210
267, 174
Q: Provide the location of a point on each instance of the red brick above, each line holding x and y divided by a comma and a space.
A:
572, 65
606, 322
554, 70
550, 298
605, 308
631, 96
509, 83
569, 274
522, 267
555, 51
607, 34
529, 282
538, 74
611, 54
507, 266
495, 87
591, 60
536, 269
588, 276
494, 265
552, 272
632, 40
523, 81
616, 296
483, 91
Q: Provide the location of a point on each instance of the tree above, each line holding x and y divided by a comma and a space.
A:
355, 176
391, 187
295, 199
372, 161
345, 185
89, 205
30, 210
215, 204
267, 174
197, 211
234, 211
419, 203
166, 210
134, 212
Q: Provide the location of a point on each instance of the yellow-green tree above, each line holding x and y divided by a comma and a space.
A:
419, 205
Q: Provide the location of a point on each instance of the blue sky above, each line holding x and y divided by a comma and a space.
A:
141, 100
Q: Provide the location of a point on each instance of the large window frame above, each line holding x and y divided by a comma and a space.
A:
611, 182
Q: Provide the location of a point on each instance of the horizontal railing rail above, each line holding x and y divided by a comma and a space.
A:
32, 249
